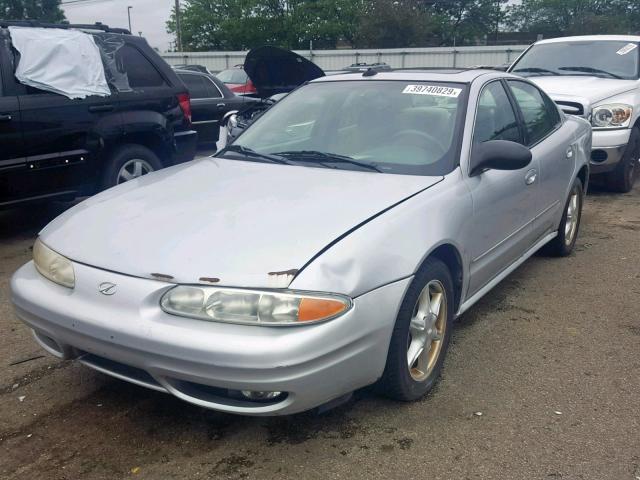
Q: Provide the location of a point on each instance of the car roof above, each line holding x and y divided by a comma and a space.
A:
433, 75
592, 38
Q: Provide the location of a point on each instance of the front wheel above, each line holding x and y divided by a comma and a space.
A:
624, 176
563, 244
421, 334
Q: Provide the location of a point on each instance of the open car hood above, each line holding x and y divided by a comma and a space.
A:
275, 70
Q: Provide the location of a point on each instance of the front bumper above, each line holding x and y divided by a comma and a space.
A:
608, 149
128, 336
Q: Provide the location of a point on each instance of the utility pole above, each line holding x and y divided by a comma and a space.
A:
178, 29
129, 15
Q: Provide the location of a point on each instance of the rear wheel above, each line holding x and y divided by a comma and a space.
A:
129, 162
421, 334
624, 176
563, 244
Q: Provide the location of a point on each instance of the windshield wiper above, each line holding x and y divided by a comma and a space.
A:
320, 157
248, 152
536, 70
590, 70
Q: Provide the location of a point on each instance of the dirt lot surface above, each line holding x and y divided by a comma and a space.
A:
551, 359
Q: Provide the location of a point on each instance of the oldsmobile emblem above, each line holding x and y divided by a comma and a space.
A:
107, 288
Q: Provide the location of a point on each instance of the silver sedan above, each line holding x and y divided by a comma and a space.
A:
330, 247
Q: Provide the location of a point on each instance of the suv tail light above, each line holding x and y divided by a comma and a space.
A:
185, 104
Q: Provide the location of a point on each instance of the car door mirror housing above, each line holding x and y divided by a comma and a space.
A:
498, 155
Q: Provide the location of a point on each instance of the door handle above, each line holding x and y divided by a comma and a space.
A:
5, 118
101, 108
531, 177
221, 105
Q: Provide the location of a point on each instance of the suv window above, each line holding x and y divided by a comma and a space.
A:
196, 85
539, 113
140, 71
495, 119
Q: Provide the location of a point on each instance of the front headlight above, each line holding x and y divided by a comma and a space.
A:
617, 115
53, 266
253, 307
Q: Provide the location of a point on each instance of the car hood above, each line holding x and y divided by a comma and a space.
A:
275, 70
228, 222
591, 89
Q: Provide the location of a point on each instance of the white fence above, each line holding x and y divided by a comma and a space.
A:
395, 57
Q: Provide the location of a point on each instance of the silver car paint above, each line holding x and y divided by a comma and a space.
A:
492, 221
183, 223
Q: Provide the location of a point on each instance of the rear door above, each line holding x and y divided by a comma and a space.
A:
64, 139
207, 106
12, 161
553, 147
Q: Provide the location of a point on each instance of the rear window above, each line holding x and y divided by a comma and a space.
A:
234, 75
140, 71
195, 84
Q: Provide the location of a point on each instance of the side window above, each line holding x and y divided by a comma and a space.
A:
495, 119
212, 89
196, 86
140, 71
540, 116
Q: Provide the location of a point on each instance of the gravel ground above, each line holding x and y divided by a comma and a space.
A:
550, 359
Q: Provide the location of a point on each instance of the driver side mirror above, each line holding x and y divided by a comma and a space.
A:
498, 155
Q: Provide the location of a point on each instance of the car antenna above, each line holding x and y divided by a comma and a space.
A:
370, 73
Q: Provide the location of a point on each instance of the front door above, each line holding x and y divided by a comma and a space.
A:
504, 202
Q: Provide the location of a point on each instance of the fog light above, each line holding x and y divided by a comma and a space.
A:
260, 396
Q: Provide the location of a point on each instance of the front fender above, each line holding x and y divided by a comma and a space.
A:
395, 244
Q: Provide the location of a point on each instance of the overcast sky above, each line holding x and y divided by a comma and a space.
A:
147, 16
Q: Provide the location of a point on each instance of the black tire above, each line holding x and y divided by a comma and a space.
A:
397, 381
124, 155
624, 176
562, 246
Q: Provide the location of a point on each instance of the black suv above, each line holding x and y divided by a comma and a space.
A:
52, 147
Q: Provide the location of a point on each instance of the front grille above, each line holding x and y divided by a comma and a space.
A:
572, 108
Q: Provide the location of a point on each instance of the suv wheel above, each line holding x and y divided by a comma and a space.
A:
624, 176
421, 334
129, 162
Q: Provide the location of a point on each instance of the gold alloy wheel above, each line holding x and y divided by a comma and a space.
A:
427, 330
573, 216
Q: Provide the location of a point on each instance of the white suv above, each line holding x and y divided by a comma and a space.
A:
595, 77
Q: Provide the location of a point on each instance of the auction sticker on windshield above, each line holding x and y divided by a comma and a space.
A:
629, 47
432, 90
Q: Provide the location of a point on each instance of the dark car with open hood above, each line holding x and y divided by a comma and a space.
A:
84, 108
274, 72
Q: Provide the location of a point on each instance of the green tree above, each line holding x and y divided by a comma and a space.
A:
396, 23
469, 21
241, 24
41, 10
575, 17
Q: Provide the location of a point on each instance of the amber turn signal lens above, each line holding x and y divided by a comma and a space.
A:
314, 309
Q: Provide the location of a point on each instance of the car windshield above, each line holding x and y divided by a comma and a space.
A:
235, 75
602, 58
403, 127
